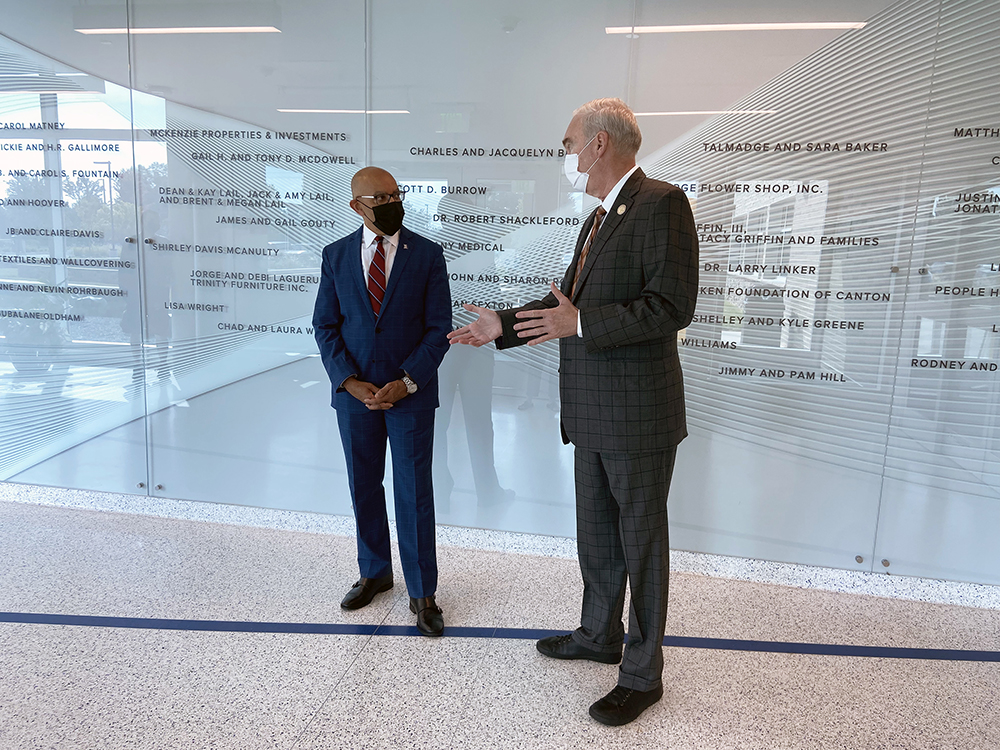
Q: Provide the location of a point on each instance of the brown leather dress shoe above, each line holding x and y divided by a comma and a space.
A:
429, 619
364, 591
623, 705
564, 647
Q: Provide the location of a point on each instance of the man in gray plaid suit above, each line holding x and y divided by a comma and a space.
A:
630, 288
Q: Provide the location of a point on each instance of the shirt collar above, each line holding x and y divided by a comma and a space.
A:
369, 237
609, 200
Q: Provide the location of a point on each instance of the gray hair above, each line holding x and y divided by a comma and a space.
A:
614, 117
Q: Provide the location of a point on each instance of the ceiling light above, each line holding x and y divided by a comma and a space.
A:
179, 17
186, 30
348, 111
688, 28
709, 112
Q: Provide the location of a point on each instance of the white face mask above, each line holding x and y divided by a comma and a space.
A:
576, 178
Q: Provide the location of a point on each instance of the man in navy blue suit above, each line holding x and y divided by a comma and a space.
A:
382, 316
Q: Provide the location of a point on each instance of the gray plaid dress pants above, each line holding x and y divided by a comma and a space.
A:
621, 510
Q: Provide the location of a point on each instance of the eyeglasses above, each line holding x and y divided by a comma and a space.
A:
382, 198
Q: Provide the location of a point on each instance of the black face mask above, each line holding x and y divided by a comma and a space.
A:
388, 217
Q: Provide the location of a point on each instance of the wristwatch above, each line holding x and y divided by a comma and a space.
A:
411, 387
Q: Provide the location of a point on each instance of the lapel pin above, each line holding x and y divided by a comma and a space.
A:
621, 209
406, 247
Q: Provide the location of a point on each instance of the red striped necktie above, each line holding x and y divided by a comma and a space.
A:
376, 277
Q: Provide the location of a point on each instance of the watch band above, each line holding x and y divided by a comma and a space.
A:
411, 387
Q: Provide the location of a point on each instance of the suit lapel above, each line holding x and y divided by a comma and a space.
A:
357, 271
617, 214
403, 253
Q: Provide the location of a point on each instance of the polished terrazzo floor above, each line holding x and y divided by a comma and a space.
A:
142, 686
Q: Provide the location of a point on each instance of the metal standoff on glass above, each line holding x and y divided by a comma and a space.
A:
130, 240
885, 563
922, 271
859, 559
894, 269
149, 241
140, 485
158, 487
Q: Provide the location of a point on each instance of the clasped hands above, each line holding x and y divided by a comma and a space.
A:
372, 396
544, 324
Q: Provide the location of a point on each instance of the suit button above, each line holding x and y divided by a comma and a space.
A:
378, 330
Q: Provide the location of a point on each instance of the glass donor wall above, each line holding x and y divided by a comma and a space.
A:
169, 175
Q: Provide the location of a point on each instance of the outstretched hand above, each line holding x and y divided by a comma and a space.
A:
481, 331
549, 323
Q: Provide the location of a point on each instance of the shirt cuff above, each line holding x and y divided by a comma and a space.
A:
579, 325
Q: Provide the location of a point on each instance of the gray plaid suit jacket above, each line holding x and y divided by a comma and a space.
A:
620, 385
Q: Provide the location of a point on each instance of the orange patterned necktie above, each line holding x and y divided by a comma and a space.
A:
376, 277
586, 248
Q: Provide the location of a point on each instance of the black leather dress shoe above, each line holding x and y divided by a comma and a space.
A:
623, 705
429, 619
564, 647
364, 591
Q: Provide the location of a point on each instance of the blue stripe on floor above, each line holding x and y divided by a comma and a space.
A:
320, 628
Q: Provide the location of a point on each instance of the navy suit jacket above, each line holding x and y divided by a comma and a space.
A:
409, 335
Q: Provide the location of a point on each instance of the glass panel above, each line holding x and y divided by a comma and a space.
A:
480, 151
71, 360
239, 192
941, 496
803, 192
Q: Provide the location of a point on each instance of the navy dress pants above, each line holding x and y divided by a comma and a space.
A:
410, 436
